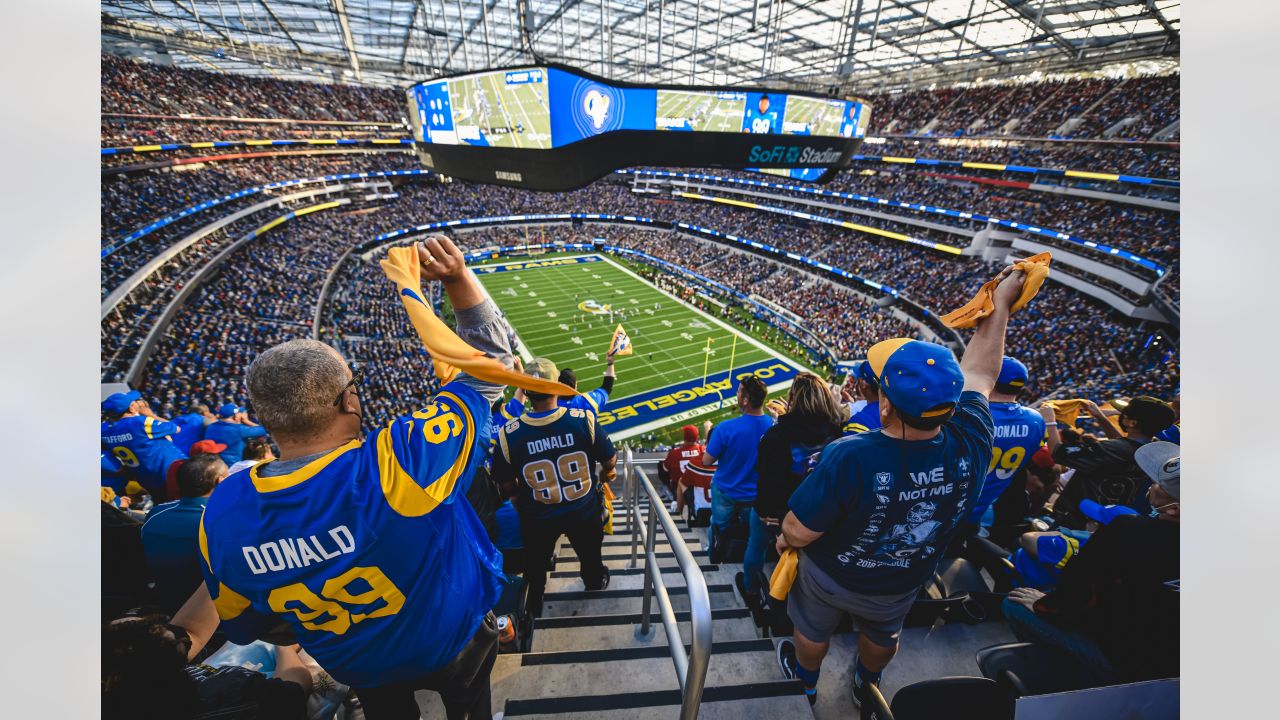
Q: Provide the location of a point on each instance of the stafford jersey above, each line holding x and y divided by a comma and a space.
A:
371, 553
142, 445
1019, 433
865, 420
593, 401
553, 460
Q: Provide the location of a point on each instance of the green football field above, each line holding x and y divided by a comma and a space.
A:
561, 312
507, 115
706, 112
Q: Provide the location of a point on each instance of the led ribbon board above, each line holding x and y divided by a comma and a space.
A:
555, 128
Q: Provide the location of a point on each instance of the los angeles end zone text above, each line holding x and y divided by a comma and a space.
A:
560, 308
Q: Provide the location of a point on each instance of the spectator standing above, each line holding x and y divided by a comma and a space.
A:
318, 537
872, 519
1116, 607
547, 459
671, 469
232, 428
1105, 470
867, 418
191, 426
141, 442
786, 454
1019, 433
170, 536
732, 449
596, 399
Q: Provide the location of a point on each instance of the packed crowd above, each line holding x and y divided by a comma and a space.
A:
130, 86
1119, 158
1036, 110
119, 131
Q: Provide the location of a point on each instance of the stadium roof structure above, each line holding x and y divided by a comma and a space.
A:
852, 46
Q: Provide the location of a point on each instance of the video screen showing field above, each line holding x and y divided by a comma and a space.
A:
700, 111
821, 117
488, 110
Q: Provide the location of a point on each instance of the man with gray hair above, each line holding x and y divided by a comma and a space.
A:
367, 547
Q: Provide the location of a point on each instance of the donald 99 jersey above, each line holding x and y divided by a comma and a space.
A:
371, 553
552, 458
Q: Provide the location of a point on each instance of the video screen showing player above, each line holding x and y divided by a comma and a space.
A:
700, 111
764, 113
813, 116
501, 109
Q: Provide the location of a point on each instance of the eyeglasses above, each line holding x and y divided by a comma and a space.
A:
357, 374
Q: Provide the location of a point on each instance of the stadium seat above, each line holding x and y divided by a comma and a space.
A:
1030, 669
875, 707
968, 697
957, 593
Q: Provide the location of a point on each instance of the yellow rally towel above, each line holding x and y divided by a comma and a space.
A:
1066, 411
784, 575
608, 509
450, 352
983, 304
621, 343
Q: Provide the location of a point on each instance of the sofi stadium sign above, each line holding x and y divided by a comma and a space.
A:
556, 128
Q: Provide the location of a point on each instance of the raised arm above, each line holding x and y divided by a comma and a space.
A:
478, 321
982, 357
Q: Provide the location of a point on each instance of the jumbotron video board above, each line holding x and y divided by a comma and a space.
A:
555, 128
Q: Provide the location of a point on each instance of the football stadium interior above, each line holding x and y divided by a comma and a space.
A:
371, 176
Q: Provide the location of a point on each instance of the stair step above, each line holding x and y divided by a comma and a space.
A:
682, 616
624, 572
665, 703
611, 602
564, 657
600, 637
619, 581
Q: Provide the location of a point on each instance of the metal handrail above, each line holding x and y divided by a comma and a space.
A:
691, 666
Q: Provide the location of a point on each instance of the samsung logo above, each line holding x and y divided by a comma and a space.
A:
509, 176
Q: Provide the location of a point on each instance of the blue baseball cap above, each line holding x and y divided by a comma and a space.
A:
921, 379
866, 373
1104, 513
119, 402
1013, 374
227, 410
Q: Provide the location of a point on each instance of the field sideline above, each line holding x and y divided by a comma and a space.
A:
670, 336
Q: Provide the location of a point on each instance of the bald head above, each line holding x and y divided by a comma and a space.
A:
293, 387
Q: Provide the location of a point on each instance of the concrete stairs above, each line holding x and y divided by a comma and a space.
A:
586, 660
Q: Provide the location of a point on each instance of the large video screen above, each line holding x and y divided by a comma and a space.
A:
542, 108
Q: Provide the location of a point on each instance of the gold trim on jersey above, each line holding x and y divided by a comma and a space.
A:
302, 474
402, 492
546, 420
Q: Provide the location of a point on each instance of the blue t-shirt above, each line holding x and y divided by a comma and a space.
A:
888, 507
733, 445
1172, 434
552, 456
190, 431
233, 436
1019, 432
370, 552
593, 401
865, 420
142, 445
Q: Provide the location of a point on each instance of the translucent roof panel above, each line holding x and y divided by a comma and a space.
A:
846, 46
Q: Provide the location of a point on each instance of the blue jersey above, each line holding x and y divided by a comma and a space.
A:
371, 553
887, 508
142, 445
865, 420
1019, 433
552, 457
233, 436
593, 401
758, 122
1172, 434
190, 431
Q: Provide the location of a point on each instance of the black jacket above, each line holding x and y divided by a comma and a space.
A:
782, 460
1105, 473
